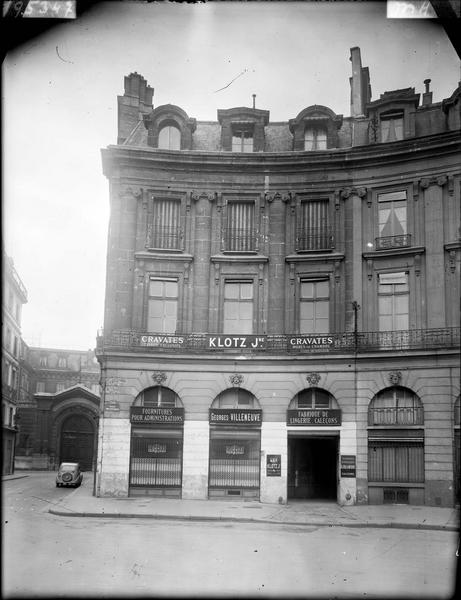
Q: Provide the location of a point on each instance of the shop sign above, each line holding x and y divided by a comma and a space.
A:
163, 341
218, 342
348, 465
235, 416
156, 416
235, 450
327, 417
274, 465
311, 341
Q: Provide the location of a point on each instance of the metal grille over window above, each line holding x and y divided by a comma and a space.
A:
234, 459
314, 232
240, 227
156, 459
166, 231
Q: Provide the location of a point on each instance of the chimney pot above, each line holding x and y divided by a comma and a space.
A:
426, 83
254, 100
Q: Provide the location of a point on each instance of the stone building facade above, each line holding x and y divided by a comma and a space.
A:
14, 297
282, 301
58, 409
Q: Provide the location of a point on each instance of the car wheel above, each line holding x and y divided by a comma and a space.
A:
57, 485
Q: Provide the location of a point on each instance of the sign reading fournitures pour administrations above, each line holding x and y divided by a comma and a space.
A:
157, 416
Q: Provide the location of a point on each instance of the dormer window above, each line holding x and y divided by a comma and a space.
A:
315, 137
169, 138
242, 139
391, 125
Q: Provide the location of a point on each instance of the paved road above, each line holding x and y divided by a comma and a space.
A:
50, 555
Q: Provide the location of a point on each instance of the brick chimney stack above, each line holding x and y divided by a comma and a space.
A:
360, 84
136, 101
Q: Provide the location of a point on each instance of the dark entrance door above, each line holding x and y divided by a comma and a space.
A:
77, 441
312, 468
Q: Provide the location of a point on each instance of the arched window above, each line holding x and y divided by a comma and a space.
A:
169, 138
315, 137
235, 398
395, 406
158, 396
313, 398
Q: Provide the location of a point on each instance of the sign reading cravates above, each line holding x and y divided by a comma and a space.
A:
274, 465
311, 341
236, 416
348, 465
314, 417
156, 416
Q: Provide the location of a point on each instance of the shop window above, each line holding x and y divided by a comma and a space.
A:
240, 231
242, 139
160, 396
395, 462
169, 138
162, 305
314, 232
314, 306
165, 232
395, 406
393, 301
391, 126
392, 221
315, 137
238, 307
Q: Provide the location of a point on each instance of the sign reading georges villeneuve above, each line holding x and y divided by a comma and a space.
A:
314, 416
156, 415
236, 416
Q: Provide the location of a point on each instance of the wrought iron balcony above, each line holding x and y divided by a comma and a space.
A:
283, 344
393, 241
412, 415
165, 238
314, 239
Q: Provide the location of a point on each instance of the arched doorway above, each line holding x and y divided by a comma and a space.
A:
77, 441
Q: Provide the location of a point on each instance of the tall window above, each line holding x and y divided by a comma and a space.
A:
315, 138
238, 307
62, 362
235, 398
242, 140
391, 127
392, 220
314, 306
313, 230
393, 301
166, 224
40, 387
162, 305
312, 398
395, 453
43, 360
169, 138
240, 226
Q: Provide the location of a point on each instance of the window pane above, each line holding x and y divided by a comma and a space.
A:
321, 309
246, 290
322, 289
306, 310
169, 138
245, 310
231, 290
385, 306
155, 288
321, 325
171, 289
307, 289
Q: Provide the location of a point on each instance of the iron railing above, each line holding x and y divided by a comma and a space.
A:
393, 241
393, 415
314, 238
240, 240
349, 342
166, 238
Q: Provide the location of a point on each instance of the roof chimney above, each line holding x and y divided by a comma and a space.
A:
254, 100
136, 101
360, 84
427, 96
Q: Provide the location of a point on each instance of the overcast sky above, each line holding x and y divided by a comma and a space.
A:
60, 108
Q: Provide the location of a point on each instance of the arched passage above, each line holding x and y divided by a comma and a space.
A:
77, 441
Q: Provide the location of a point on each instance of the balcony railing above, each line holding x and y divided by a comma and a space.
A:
240, 240
165, 238
314, 239
345, 343
393, 241
411, 415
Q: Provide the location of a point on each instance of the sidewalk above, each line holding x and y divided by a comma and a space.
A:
81, 503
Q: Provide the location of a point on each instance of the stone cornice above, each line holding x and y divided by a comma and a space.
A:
239, 258
170, 256
394, 252
316, 257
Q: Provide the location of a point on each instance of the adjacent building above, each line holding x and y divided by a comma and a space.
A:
58, 409
282, 301
14, 297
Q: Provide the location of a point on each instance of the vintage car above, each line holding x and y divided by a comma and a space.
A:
69, 473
